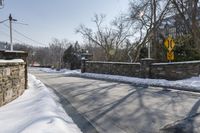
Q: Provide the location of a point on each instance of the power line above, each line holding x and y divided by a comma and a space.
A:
19, 40
5, 34
20, 23
15, 39
25, 36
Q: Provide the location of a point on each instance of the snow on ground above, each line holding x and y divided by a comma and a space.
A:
192, 84
49, 70
11, 61
36, 111
66, 71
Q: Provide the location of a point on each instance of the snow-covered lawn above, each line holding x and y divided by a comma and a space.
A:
36, 111
192, 84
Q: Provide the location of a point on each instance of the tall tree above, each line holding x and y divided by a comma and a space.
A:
146, 16
110, 39
72, 56
189, 13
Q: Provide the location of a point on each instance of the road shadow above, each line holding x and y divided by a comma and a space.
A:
94, 100
113, 106
185, 125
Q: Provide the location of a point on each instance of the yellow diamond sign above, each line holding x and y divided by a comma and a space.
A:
170, 56
169, 43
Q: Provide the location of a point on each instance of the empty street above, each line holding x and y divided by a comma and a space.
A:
113, 107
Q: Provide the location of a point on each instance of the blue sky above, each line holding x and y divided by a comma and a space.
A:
49, 19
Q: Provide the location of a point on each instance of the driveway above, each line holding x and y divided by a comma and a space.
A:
113, 107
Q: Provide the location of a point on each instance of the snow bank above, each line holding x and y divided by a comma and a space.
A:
192, 84
78, 71
11, 61
36, 111
49, 70
65, 71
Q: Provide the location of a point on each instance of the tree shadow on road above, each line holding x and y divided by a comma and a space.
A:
96, 101
114, 105
185, 125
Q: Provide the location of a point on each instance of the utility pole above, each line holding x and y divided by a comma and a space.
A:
10, 20
1, 4
11, 44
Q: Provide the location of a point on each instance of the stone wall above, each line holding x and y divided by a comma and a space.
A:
8, 55
12, 81
176, 70
13, 75
114, 68
146, 68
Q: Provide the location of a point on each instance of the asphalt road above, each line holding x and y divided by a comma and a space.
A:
113, 107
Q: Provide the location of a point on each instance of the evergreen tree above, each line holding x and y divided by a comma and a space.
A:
71, 57
68, 56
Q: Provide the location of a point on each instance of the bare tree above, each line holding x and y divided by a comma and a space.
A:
188, 11
57, 49
146, 16
110, 39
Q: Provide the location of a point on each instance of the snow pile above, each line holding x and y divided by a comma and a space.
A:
36, 111
11, 61
65, 71
50, 70
192, 84
68, 72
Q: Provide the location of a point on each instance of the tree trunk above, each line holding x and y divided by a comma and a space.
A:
195, 32
154, 46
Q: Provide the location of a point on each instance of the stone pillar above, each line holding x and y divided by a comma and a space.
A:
16, 55
83, 65
145, 69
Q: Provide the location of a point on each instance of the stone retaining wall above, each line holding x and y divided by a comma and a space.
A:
13, 75
8, 55
12, 81
145, 69
114, 68
175, 71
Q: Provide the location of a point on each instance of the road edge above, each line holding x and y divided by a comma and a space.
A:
82, 122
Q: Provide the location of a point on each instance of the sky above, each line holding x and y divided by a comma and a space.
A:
48, 19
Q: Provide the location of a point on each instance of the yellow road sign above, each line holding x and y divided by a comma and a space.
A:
170, 56
169, 43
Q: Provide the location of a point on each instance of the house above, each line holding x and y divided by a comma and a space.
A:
175, 26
